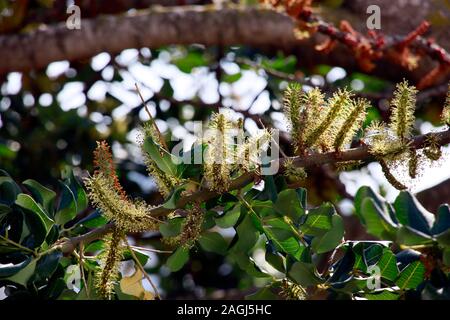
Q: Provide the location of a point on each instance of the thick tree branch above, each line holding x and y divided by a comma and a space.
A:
156, 27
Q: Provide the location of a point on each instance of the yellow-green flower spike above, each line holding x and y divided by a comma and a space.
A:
108, 271
351, 124
325, 133
220, 152
446, 110
403, 105
128, 216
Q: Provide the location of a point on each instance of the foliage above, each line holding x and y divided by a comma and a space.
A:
306, 254
305, 245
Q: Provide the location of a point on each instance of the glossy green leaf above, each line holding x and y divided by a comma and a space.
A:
24, 274
171, 203
263, 208
382, 295
304, 274
171, 227
247, 235
8, 189
230, 218
230, 78
378, 222
411, 213
178, 259
442, 222
388, 265
289, 204
318, 220
42, 194
444, 238
275, 259
163, 159
67, 207
213, 242
28, 203
411, 276
94, 220
330, 240
9, 269
285, 241
411, 237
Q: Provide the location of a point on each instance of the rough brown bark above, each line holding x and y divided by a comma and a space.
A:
208, 25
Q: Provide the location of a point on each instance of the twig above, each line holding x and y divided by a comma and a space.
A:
139, 265
18, 245
151, 249
161, 139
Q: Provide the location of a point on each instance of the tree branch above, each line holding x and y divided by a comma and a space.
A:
67, 245
360, 153
253, 26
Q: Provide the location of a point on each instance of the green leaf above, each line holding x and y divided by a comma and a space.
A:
388, 265
411, 237
247, 235
411, 213
285, 241
46, 266
378, 222
363, 193
4, 210
7, 270
28, 203
178, 259
171, 203
246, 263
446, 257
67, 208
78, 191
8, 189
42, 194
289, 204
279, 223
318, 220
442, 222
444, 238
263, 208
164, 160
230, 218
382, 295
304, 274
172, 227
411, 276
274, 258
94, 220
94, 247
230, 78
330, 240
213, 242
191, 60
24, 274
